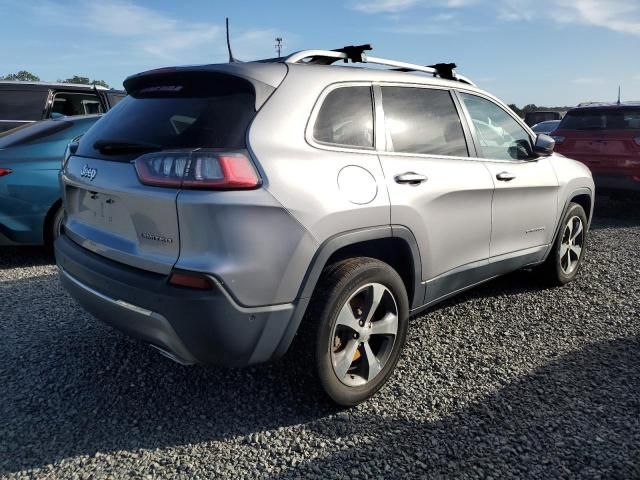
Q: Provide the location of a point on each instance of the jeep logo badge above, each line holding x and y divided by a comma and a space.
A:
88, 172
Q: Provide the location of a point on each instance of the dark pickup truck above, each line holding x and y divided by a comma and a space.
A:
26, 102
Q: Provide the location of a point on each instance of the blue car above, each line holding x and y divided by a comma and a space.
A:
30, 159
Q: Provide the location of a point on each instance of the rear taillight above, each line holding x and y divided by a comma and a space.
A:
190, 280
200, 170
559, 139
5, 171
637, 140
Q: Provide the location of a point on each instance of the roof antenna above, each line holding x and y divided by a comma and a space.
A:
231, 59
618, 94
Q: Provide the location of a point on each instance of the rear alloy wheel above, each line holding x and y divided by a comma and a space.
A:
364, 334
358, 321
563, 263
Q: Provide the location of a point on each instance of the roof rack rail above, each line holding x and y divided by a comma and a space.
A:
356, 54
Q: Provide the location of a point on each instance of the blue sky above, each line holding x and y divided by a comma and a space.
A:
547, 52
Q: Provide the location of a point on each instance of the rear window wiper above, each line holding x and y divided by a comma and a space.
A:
121, 146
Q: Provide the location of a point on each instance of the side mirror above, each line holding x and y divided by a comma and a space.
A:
544, 145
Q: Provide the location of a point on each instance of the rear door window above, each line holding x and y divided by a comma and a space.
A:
70, 103
191, 110
602, 119
22, 104
346, 118
422, 121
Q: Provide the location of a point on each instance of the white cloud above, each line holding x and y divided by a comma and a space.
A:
618, 15
149, 33
621, 16
394, 6
587, 81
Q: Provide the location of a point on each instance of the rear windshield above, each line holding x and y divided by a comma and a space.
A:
31, 132
190, 110
602, 119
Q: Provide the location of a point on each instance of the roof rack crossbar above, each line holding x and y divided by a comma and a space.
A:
357, 55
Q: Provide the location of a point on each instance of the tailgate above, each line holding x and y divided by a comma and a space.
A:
109, 212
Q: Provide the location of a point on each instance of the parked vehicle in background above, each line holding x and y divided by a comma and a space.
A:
606, 138
30, 159
533, 118
220, 205
546, 127
27, 102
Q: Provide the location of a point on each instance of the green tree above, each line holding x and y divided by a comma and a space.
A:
85, 81
22, 75
515, 108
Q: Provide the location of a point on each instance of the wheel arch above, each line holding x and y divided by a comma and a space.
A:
583, 197
392, 244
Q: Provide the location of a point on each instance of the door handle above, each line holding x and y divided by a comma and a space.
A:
505, 176
410, 178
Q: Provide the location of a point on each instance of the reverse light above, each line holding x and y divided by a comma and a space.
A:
190, 280
5, 171
559, 139
637, 140
197, 170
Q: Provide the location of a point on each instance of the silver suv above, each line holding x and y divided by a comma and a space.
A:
222, 213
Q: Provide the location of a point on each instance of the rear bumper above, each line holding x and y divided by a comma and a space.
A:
191, 326
615, 182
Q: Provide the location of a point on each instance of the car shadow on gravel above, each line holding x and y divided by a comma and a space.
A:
19, 257
576, 417
76, 387
619, 211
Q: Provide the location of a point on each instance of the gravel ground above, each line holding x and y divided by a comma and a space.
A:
509, 380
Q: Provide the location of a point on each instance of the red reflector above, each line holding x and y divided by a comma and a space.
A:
5, 171
190, 280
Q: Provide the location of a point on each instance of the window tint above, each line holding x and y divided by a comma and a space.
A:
22, 104
498, 134
346, 118
114, 98
602, 119
190, 110
419, 120
70, 104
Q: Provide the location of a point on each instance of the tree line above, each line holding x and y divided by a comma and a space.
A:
25, 76
534, 108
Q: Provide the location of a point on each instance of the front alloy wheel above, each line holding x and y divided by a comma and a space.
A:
571, 246
563, 263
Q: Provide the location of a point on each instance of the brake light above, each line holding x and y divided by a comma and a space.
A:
5, 171
190, 280
197, 170
559, 139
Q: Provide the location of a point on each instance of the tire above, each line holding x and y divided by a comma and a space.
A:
53, 227
564, 261
351, 369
